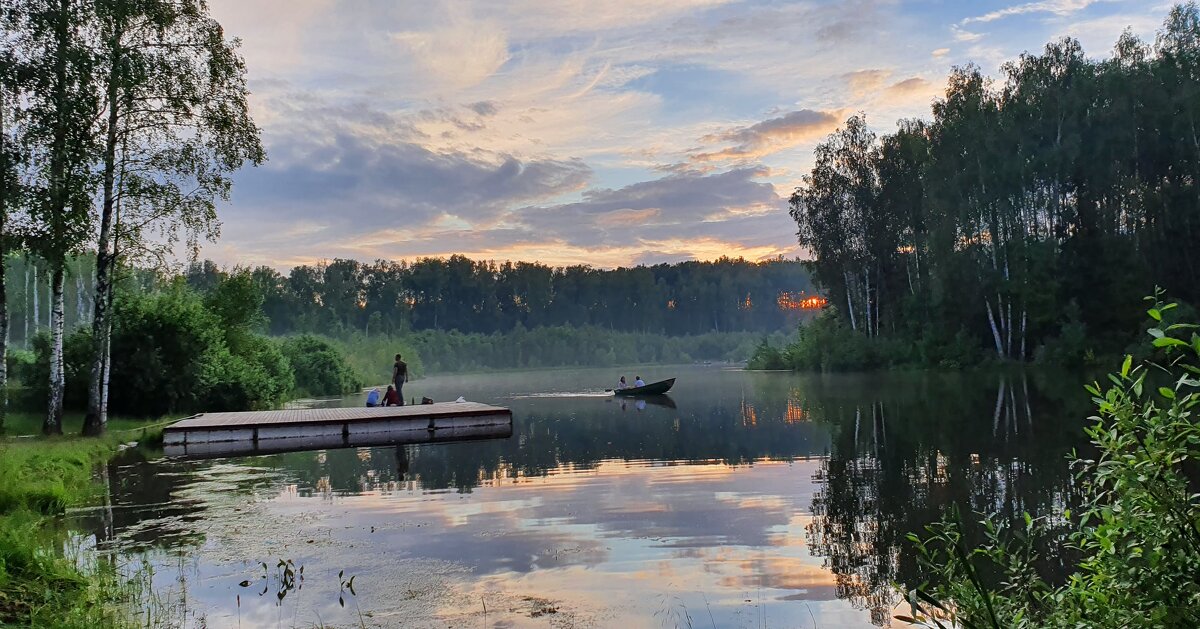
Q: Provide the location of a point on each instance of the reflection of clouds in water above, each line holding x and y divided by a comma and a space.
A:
613, 543
603, 515
730, 533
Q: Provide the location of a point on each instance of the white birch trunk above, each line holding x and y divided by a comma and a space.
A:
995, 330
1008, 330
80, 302
908, 272
1028, 408
54, 410
883, 424
867, 299
1024, 318
999, 405
850, 303
857, 421
1012, 409
37, 309
28, 311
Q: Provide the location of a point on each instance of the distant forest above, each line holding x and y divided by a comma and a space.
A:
1030, 215
458, 294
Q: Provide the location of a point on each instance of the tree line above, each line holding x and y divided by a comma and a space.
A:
473, 296
1031, 214
120, 121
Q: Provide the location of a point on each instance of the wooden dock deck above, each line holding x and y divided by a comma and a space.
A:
256, 431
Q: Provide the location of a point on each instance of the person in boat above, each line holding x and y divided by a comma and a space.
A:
638, 382
622, 384
373, 398
392, 397
399, 377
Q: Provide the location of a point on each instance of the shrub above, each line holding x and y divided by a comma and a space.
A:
35, 377
21, 367
167, 352
319, 368
766, 357
258, 377
1139, 533
170, 353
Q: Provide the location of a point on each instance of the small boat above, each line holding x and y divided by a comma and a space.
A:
654, 388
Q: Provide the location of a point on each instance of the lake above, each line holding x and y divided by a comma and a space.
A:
757, 500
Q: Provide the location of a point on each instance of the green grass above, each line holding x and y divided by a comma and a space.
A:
41, 583
28, 424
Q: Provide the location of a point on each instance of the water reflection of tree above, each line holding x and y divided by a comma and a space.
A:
582, 434
917, 445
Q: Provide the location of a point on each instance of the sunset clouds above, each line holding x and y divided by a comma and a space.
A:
574, 131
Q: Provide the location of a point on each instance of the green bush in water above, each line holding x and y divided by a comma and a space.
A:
1139, 530
767, 357
319, 368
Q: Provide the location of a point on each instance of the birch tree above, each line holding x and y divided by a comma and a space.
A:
10, 189
176, 124
61, 105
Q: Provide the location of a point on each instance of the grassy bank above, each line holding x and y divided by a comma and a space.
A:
41, 583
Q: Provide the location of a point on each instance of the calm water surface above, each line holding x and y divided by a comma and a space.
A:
759, 500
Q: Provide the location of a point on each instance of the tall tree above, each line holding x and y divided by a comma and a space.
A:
61, 107
835, 210
176, 124
1029, 215
10, 189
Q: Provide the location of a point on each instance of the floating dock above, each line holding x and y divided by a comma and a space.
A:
222, 434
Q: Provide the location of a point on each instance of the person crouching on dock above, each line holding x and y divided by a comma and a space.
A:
392, 397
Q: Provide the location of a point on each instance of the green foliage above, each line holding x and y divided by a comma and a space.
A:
171, 352
1071, 347
767, 357
318, 367
41, 585
827, 343
36, 376
1069, 181
555, 346
431, 351
370, 359
1139, 530
343, 298
257, 377
21, 364
167, 353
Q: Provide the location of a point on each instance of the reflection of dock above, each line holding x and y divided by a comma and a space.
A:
219, 434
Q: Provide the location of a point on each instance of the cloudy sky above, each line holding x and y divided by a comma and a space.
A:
605, 132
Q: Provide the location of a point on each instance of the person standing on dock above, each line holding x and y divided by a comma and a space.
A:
399, 377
